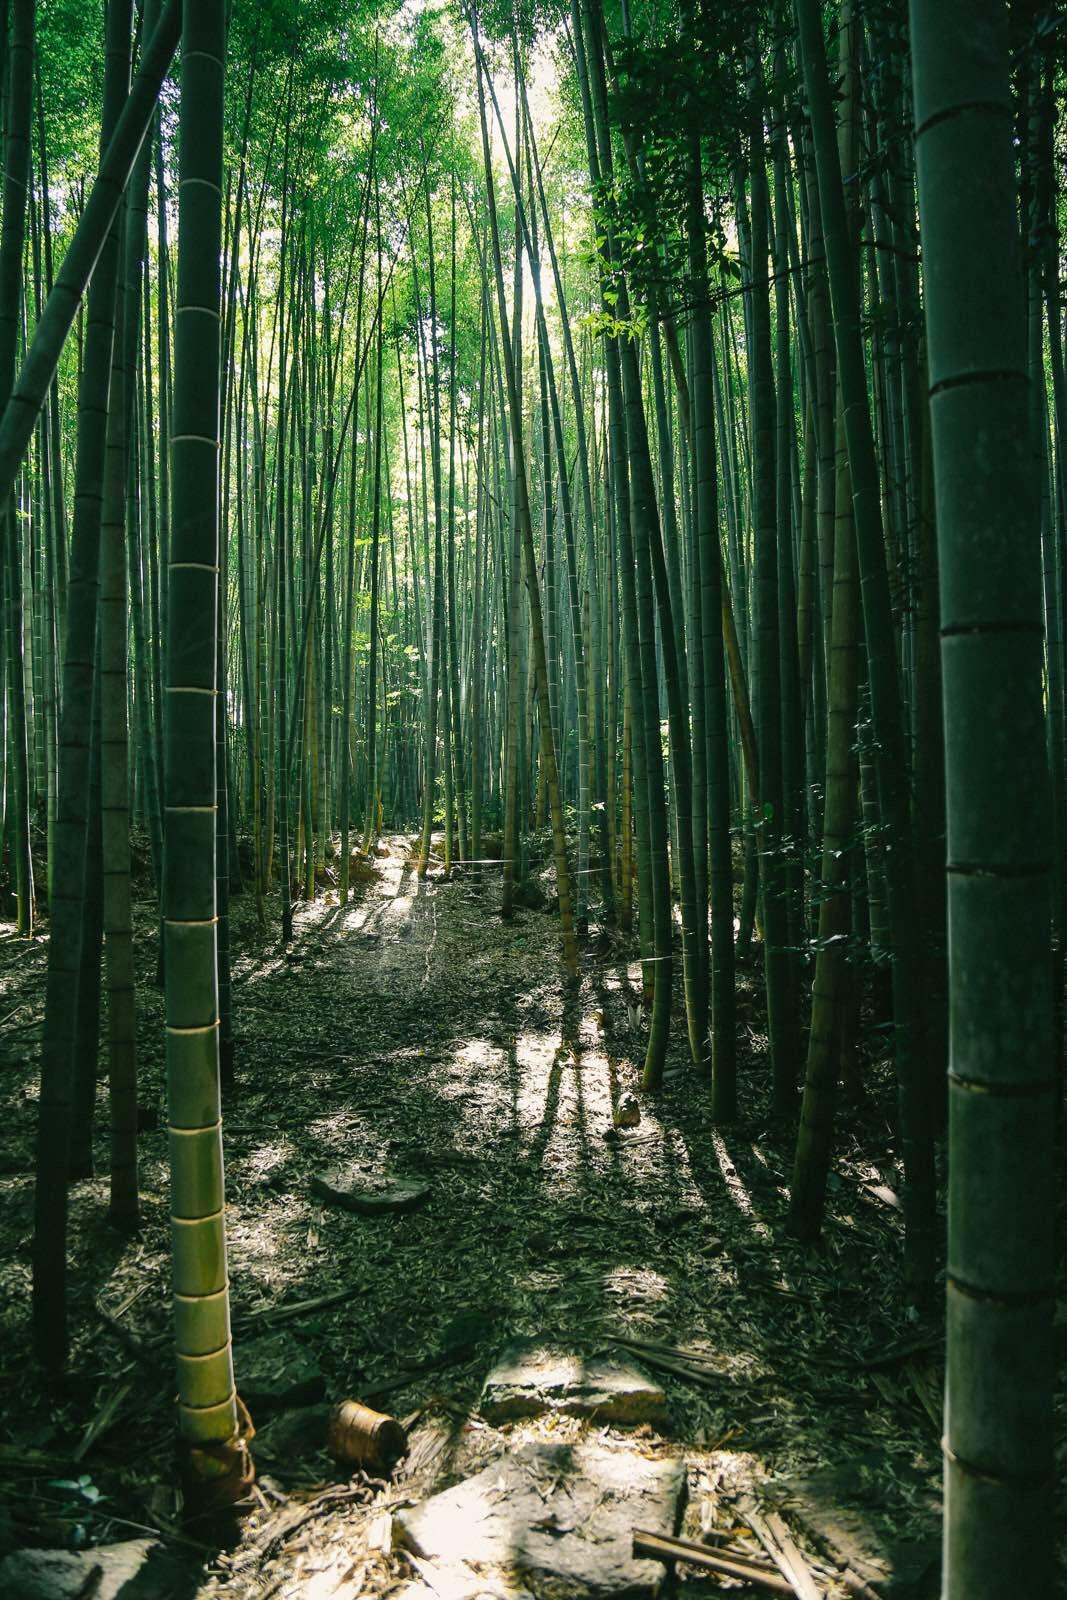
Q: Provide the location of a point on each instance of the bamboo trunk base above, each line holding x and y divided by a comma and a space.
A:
219, 1477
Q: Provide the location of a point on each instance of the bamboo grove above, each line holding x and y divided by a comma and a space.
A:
640, 426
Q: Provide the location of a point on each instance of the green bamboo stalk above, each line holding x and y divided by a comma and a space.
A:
892, 754
999, 1438
216, 1457
18, 124
133, 122
63, 1020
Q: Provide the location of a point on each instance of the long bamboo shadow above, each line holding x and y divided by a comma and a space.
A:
426, 1247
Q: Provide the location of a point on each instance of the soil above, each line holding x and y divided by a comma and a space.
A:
414, 1036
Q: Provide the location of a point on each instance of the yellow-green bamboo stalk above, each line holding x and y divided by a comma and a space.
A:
207, 1401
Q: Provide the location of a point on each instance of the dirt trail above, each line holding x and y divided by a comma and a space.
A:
414, 1033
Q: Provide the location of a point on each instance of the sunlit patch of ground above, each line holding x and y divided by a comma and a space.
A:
414, 1033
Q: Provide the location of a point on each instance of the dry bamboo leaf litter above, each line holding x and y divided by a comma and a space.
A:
434, 1051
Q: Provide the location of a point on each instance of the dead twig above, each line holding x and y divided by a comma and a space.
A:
290, 1311
338, 1494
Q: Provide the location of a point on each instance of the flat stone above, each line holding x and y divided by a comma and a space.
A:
136, 1569
554, 1514
531, 1378
278, 1372
354, 1189
455, 1580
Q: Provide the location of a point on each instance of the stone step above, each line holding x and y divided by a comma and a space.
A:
533, 1377
551, 1514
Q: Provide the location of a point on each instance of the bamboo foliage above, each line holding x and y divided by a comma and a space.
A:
525, 445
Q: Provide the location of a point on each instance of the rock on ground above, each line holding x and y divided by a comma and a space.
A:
552, 1514
356, 1190
531, 1378
137, 1569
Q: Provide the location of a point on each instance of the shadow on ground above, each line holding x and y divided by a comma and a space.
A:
412, 1032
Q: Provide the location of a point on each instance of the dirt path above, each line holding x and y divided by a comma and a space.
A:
416, 1034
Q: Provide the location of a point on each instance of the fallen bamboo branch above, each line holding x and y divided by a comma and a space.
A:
712, 1536
779, 1544
675, 1352
902, 1351
23, 1027
661, 1548
856, 1585
105, 1417
838, 1562
679, 1369
19, 1460
288, 1311
146, 1350
884, 1194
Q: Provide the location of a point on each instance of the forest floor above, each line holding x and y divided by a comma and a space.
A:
417, 1035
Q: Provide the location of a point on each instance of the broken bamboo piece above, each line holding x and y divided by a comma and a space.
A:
776, 1539
288, 1311
358, 1436
661, 1548
728, 1541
